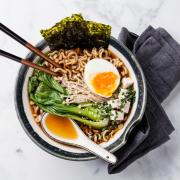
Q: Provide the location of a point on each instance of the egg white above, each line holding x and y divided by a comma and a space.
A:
96, 66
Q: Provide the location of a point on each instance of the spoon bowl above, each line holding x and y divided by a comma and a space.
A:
79, 139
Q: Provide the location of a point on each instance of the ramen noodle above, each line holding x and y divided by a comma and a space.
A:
72, 64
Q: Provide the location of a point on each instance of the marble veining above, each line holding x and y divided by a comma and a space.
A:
20, 158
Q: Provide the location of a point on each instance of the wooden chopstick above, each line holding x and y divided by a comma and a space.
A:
26, 44
26, 62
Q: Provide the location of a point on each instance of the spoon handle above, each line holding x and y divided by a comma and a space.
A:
99, 151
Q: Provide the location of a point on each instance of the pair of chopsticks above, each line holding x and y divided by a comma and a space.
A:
31, 48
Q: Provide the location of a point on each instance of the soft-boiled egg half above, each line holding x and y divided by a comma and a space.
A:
101, 77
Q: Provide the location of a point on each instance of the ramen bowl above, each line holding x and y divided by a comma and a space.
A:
69, 152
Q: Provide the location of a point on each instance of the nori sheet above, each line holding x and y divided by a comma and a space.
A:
74, 31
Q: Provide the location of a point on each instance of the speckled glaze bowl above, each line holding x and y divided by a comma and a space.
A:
72, 153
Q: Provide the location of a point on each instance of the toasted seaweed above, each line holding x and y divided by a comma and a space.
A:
74, 31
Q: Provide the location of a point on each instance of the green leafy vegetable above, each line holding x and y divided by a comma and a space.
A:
74, 31
48, 94
33, 83
81, 116
50, 82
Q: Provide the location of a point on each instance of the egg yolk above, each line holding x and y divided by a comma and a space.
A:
105, 83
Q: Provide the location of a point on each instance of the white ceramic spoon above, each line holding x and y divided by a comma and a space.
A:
81, 141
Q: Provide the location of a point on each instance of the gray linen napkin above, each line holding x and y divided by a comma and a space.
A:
159, 56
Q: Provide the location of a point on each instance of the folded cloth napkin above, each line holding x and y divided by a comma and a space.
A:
159, 56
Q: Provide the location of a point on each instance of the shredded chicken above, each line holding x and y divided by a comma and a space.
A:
79, 92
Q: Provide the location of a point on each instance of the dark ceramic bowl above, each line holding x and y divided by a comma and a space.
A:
72, 153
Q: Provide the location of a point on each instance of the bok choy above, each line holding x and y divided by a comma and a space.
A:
49, 95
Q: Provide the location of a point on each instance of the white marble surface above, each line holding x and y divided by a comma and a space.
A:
20, 158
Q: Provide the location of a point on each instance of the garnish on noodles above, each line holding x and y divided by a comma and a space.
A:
74, 31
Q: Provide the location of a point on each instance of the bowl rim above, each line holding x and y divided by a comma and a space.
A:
71, 155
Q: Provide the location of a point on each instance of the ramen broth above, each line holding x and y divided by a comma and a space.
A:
61, 126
